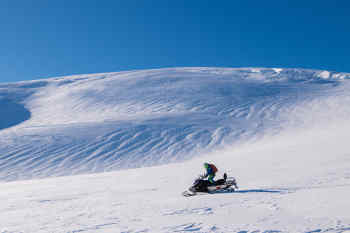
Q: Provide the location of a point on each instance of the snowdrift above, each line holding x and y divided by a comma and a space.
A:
104, 122
282, 133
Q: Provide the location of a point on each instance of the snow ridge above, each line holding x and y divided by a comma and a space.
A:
104, 122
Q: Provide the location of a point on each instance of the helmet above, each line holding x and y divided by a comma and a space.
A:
206, 165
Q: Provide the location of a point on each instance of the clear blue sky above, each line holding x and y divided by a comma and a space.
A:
45, 38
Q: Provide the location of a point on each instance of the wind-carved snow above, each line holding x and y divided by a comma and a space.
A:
104, 122
282, 133
277, 70
324, 74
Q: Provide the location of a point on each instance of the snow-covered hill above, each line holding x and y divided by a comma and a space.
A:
283, 133
104, 122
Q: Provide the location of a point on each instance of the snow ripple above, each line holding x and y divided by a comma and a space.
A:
103, 122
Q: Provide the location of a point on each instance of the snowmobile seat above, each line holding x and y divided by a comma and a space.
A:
220, 182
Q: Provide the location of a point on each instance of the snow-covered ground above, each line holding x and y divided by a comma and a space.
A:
283, 133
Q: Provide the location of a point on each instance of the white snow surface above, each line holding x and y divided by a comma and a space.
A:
114, 151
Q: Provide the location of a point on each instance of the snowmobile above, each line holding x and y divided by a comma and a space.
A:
204, 186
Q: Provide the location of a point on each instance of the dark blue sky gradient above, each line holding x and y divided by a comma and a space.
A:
53, 38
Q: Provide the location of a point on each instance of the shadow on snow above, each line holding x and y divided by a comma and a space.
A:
258, 191
12, 114
248, 191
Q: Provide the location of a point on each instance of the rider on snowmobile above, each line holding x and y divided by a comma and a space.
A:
210, 172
